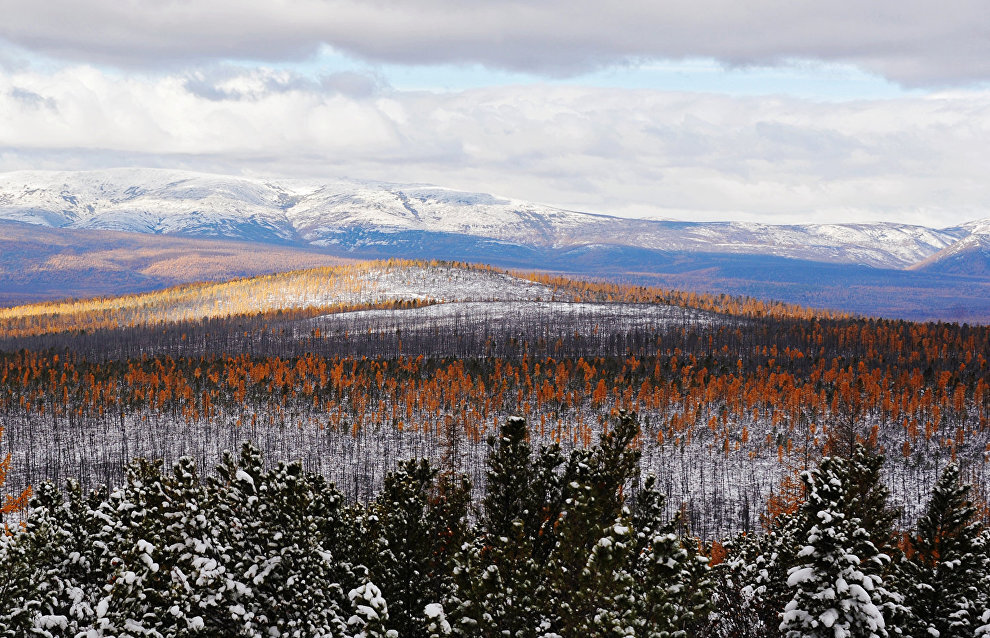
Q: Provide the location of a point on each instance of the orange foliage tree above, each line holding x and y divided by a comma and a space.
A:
12, 505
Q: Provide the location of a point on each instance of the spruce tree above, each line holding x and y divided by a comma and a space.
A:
673, 586
946, 569
409, 536
759, 567
72, 570
192, 531
867, 497
138, 592
500, 583
24, 560
286, 575
837, 585
589, 571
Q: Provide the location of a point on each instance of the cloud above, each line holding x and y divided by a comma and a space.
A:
913, 42
230, 82
630, 152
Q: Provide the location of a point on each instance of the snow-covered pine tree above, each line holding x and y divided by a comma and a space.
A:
286, 575
138, 593
837, 585
411, 532
672, 583
589, 570
73, 564
522, 487
868, 497
731, 613
540, 524
500, 577
169, 567
198, 580
370, 616
752, 582
757, 569
436, 621
24, 557
606, 598
945, 570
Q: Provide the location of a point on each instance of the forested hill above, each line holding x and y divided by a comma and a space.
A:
598, 438
352, 368
56, 227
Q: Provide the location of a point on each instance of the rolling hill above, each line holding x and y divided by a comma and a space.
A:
885, 269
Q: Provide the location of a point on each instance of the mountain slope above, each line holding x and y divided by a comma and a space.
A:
39, 263
352, 216
57, 242
969, 256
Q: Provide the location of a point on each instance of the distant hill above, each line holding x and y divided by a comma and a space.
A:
969, 256
40, 263
885, 269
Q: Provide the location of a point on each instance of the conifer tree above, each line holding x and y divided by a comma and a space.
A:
408, 540
23, 558
286, 575
500, 584
197, 557
837, 585
673, 584
946, 570
72, 570
758, 570
370, 613
595, 542
867, 497
139, 587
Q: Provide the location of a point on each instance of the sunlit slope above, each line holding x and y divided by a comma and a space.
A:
45, 264
331, 288
355, 286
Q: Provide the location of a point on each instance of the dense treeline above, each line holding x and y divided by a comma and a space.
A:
733, 393
727, 406
559, 545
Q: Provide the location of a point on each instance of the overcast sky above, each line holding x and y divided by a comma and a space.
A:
779, 110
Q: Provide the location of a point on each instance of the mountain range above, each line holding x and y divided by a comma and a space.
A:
886, 269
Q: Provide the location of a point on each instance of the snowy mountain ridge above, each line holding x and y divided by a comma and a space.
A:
349, 214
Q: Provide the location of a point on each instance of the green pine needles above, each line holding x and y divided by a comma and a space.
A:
560, 545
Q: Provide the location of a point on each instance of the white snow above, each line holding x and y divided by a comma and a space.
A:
433, 610
799, 575
323, 213
244, 477
488, 314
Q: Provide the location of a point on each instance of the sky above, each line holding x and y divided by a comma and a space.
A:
779, 111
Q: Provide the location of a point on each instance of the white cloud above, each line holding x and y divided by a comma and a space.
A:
914, 42
697, 156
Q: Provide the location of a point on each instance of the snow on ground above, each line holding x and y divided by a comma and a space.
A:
358, 285
421, 283
472, 315
451, 284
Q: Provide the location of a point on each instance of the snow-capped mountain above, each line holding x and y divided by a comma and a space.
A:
969, 256
355, 217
